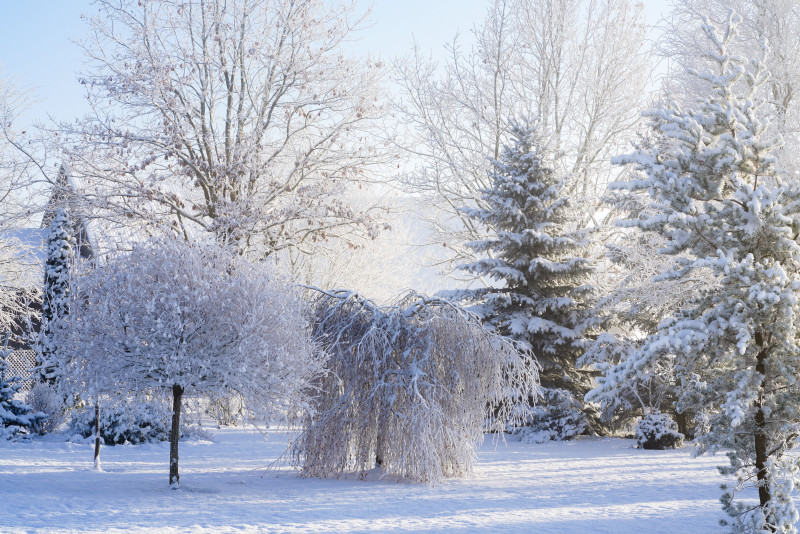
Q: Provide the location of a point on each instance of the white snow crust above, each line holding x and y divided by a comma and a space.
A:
590, 485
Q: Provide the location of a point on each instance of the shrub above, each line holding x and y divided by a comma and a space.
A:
16, 417
131, 421
657, 431
559, 416
45, 399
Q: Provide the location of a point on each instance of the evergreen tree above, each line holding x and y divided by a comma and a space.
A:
55, 299
16, 417
722, 206
537, 260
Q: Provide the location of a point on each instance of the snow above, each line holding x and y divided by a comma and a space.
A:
598, 485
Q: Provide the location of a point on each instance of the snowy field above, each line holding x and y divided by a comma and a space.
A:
585, 486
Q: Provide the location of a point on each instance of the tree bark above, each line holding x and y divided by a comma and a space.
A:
174, 436
761, 457
760, 431
97, 434
683, 420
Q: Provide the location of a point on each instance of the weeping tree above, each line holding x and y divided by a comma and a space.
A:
411, 389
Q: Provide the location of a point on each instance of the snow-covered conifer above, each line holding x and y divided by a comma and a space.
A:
632, 306
189, 318
718, 199
56, 295
535, 259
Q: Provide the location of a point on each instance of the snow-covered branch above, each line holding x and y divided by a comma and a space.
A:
191, 318
243, 118
412, 387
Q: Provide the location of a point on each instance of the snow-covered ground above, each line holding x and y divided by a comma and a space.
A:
584, 486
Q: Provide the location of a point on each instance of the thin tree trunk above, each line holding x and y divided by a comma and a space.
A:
760, 432
97, 434
174, 436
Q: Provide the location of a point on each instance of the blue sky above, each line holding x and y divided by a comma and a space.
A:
36, 48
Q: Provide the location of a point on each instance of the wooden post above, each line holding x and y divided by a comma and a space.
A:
97, 433
174, 436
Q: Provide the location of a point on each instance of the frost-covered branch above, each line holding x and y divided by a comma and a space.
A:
244, 118
577, 68
190, 318
412, 387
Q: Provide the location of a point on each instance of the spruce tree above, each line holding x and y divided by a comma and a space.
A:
55, 298
728, 215
537, 260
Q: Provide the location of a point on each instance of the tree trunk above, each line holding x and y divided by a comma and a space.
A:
683, 420
174, 436
761, 457
97, 434
760, 432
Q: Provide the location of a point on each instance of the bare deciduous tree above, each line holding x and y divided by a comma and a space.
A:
243, 118
578, 68
776, 21
16, 156
20, 274
20, 284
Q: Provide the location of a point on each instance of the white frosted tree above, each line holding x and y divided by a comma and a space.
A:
578, 67
540, 292
20, 164
777, 21
196, 319
20, 285
246, 119
412, 388
718, 199
57, 293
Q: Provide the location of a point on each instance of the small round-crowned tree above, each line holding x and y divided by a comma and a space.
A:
191, 318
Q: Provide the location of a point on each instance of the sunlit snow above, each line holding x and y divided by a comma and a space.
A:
590, 485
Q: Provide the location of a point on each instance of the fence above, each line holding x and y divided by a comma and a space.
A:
20, 363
